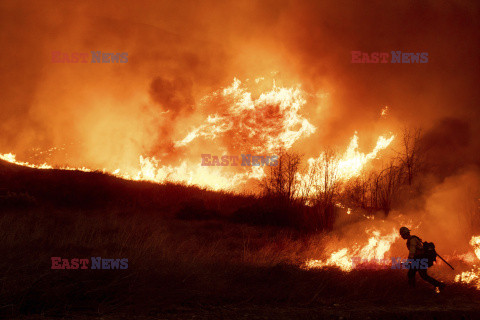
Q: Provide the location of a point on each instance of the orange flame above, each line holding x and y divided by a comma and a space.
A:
384, 111
342, 168
472, 276
376, 248
10, 157
151, 169
263, 125
258, 125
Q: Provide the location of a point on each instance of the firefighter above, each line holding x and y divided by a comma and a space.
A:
415, 248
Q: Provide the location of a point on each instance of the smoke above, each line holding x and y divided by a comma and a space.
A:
172, 95
452, 211
180, 53
107, 115
449, 147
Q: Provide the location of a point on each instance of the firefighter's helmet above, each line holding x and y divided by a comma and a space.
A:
404, 231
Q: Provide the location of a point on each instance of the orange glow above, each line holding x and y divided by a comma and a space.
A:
273, 120
344, 167
384, 111
376, 248
261, 125
10, 157
473, 276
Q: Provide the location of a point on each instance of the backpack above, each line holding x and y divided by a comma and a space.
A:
430, 253
428, 249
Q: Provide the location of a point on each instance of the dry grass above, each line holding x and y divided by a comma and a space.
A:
175, 263
177, 267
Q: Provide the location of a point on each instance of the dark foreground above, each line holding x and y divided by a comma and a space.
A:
255, 312
197, 270
269, 312
180, 267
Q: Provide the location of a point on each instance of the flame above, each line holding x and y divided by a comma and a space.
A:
10, 157
384, 111
376, 248
475, 243
342, 168
261, 125
353, 161
472, 276
151, 169
349, 165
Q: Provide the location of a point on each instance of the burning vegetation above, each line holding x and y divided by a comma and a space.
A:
334, 192
112, 160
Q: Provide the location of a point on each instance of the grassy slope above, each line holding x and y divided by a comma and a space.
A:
178, 268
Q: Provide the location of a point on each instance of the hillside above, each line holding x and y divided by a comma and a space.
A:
179, 268
22, 187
